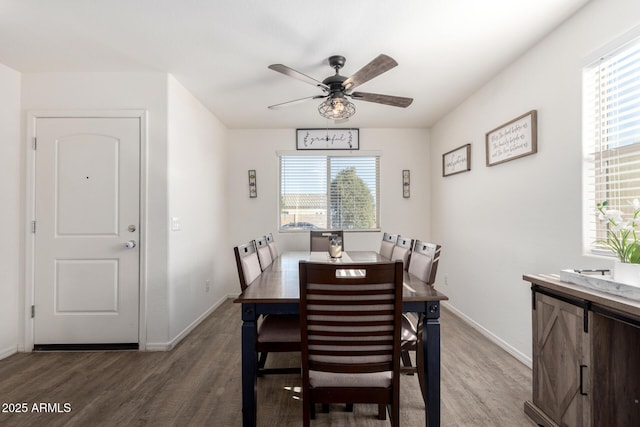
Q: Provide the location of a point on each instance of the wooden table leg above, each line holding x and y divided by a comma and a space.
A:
420, 359
249, 365
431, 349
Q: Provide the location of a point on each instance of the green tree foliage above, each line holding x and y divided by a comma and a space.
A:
352, 205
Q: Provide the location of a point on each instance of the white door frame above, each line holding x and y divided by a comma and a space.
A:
27, 325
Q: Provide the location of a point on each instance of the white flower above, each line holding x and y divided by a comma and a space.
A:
612, 215
622, 226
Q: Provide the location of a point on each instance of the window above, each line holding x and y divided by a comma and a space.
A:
611, 136
329, 192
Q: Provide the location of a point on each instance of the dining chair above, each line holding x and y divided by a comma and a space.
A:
319, 240
272, 245
276, 332
402, 250
264, 253
424, 266
424, 261
247, 263
387, 245
350, 319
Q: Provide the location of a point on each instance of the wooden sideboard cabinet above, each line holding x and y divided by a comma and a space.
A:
586, 356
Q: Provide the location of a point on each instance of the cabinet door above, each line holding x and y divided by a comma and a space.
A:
561, 361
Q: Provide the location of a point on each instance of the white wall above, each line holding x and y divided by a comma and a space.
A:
498, 223
10, 200
198, 252
400, 149
104, 91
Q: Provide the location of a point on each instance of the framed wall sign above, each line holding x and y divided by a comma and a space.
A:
457, 161
512, 140
327, 139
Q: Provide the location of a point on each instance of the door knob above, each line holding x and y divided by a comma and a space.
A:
130, 244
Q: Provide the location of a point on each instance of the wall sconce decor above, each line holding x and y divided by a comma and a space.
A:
253, 190
406, 192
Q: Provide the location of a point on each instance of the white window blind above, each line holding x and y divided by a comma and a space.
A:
329, 192
611, 136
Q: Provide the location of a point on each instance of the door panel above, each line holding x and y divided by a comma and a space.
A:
86, 171
86, 288
561, 350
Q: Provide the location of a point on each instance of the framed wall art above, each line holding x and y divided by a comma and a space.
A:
514, 139
327, 139
457, 161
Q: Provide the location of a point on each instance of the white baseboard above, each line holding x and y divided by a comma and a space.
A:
493, 338
6, 352
158, 346
168, 346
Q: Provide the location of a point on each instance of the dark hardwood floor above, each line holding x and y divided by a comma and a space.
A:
199, 384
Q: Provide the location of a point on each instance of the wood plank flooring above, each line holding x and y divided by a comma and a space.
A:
199, 384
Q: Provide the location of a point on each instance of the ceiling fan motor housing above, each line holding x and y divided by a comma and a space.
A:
337, 62
335, 84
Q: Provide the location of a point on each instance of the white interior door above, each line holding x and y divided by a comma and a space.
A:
87, 211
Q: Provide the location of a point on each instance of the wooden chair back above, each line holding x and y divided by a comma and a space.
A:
350, 320
319, 240
247, 263
264, 253
424, 261
387, 244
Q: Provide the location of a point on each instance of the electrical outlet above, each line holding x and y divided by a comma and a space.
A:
446, 280
207, 286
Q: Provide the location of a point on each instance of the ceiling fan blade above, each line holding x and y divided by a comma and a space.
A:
287, 71
373, 69
394, 101
283, 104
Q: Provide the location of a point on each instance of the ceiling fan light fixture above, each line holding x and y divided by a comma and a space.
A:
337, 108
337, 88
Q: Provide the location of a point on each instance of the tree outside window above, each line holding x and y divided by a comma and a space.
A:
352, 205
329, 192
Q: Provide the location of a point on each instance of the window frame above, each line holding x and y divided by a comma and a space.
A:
600, 150
327, 154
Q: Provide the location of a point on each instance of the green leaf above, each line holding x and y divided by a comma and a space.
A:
634, 253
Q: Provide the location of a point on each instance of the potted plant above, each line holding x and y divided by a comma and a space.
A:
622, 240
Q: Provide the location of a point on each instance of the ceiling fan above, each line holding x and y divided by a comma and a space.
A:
337, 89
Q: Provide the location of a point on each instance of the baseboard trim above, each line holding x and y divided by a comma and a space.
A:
488, 334
86, 347
6, 352
168, 346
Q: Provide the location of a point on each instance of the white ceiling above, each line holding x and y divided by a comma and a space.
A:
220, 49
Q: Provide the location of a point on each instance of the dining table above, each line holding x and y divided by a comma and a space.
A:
277, 291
